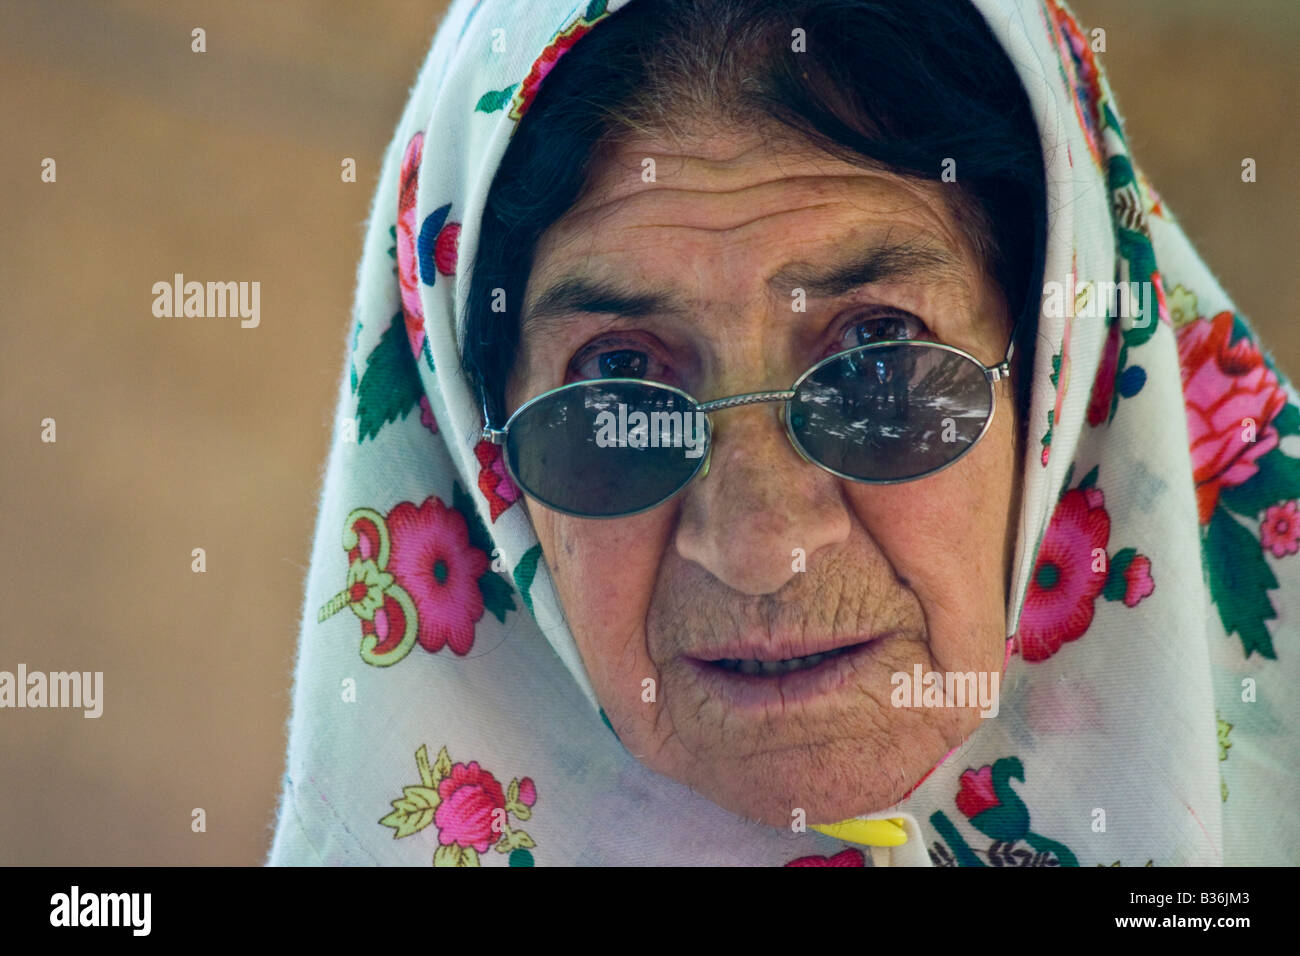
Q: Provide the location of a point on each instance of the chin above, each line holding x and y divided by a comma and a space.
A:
867, 771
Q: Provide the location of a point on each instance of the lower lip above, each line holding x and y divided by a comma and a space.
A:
762, 692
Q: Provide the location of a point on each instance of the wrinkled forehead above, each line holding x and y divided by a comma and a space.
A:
759, 202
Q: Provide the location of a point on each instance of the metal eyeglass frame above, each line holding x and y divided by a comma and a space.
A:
992, 374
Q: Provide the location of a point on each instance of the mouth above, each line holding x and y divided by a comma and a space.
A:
757, 686
755, 667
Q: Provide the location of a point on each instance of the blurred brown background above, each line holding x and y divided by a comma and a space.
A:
174, 434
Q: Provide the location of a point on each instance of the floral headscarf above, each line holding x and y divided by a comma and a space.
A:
442, 713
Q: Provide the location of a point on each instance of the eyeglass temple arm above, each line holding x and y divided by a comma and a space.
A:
1003, 369
493, 436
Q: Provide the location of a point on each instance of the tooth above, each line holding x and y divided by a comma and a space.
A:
749, 667
812, 660
772, 667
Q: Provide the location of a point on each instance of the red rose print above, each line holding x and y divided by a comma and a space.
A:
1231, 398
493, 480
543, 65
1064, 587
472, 812
848, 857
470, 796
444, 250
408, 268
1279, 532
1137, 580
434, 562
976, 794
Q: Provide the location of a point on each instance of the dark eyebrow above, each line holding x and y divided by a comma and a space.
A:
577, 294
882, 260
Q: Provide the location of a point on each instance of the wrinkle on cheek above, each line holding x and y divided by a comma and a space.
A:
949, 548
566, 544
605, 574
663, 739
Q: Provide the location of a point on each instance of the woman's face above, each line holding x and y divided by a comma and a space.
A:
687, 270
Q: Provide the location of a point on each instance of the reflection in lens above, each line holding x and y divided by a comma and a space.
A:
606, 448
890, 412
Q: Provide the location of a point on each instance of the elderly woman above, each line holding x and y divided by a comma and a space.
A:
792, 433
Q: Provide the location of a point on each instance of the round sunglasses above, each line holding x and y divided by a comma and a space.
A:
882, 413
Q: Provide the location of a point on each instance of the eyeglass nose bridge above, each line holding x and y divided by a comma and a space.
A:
735, 401
748, 398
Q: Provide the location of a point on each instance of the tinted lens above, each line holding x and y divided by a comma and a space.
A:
891, 412
606, 448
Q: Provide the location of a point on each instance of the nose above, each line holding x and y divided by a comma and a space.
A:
747, 521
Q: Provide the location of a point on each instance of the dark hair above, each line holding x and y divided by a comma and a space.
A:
898, 84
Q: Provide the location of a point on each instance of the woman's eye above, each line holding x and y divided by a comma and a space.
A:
883, 328
616, 363
624, 363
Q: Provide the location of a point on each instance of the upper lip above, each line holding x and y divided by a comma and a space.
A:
779, 649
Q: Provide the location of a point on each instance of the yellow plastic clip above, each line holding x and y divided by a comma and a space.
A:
867, 832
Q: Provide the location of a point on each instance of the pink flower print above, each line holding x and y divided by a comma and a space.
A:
470, 797
436, 565
469, 810
1279, 532
408, 267
1137, 580
1225, 387
1064, 586
527, 792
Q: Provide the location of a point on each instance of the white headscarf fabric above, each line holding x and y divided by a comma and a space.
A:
441, 711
